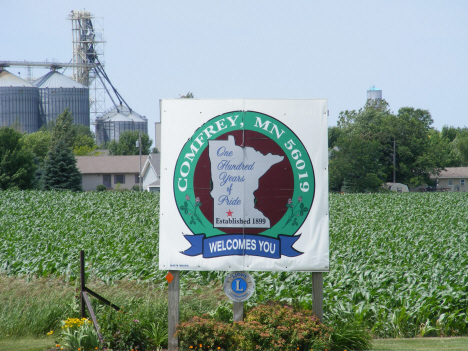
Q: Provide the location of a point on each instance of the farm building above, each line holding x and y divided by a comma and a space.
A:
397, 187
118, 120
19, 103
452, 179
111, 171
151, 173
58, 92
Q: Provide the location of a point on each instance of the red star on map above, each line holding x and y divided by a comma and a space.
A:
229, 214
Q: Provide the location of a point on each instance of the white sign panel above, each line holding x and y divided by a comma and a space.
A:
244, 185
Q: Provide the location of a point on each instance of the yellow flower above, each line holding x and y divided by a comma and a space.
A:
201, 345
191, 347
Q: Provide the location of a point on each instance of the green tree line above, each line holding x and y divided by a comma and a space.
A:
362, 148
365, 145
46, 159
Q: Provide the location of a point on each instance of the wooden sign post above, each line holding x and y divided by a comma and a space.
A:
173, 278
317, 294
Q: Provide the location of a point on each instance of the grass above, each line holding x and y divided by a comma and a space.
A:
426, 344
26, 344
31, 307
416, 344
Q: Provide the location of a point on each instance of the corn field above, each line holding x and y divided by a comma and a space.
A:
398, 261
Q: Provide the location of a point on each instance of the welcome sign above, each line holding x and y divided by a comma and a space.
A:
244, 185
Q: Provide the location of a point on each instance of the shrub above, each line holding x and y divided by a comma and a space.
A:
136, 187
136, 328
79, 334
123, 331
266, 327
157, 335
205, 334
275, 327
101, 187
350, 337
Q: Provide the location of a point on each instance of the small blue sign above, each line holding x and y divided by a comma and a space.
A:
239, 285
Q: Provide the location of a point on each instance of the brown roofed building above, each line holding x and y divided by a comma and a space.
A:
452, 179
110, 171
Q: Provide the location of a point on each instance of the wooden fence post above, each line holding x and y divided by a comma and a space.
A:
317, 294
173, 311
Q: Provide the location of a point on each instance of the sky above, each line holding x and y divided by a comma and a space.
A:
416, 52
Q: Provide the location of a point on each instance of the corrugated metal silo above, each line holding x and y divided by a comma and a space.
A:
116, 121
57, 92
374, 94
19, 101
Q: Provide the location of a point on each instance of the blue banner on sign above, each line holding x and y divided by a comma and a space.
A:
241, 244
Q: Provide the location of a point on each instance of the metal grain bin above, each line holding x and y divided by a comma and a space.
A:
57, 92
116, 121
19, 101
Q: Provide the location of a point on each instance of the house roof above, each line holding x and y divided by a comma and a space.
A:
453, 172
154, 184
110, 164
155, 161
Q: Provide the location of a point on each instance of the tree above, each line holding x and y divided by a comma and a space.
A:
364, 141
357, 159
189, 95
410, 129
354, 165
443, 152
460, 145
333, 135
63, 130
38, 143
84, 145
127, 144
60, 171
83, 130
16, 164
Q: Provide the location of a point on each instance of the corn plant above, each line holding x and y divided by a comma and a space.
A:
397, 261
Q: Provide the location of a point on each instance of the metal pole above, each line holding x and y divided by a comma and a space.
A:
173, 311
140, 161
317, 295
394, 162
82, 284
238, 311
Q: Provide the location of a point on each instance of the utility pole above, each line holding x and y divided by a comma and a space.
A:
394, 163
139, 173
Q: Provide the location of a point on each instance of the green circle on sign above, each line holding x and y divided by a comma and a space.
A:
298, 206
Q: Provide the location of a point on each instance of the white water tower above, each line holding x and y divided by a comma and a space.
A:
374, 94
